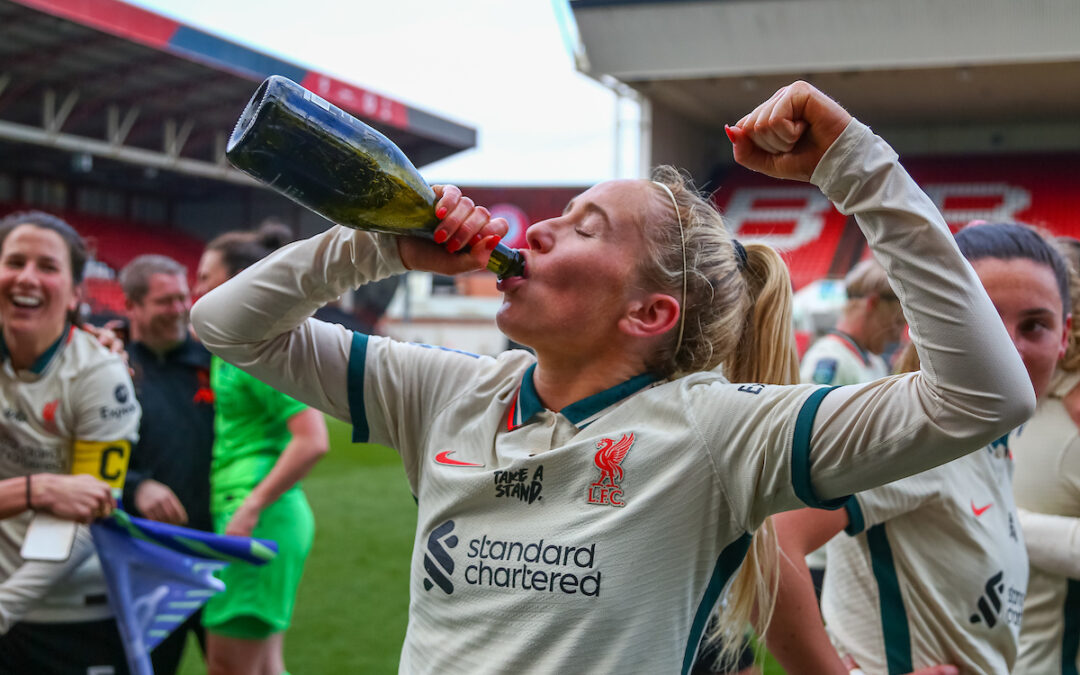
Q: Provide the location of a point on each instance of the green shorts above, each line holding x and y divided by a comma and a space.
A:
258, 600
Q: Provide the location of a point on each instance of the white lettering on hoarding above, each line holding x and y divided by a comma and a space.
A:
1002, 201
806, 214
799, 212
386, 109
369, 104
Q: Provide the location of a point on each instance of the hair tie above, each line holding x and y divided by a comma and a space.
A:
740, 253
682, 243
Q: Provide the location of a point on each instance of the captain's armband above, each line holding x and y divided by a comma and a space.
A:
107, 460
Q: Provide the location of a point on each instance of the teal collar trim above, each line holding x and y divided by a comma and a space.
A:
42, 362
854, 346
1002, 442
579, 412
528, 400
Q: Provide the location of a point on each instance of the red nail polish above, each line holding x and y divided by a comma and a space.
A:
453, 246
440, 213
475, 240
440, 236
730, 133
493, 242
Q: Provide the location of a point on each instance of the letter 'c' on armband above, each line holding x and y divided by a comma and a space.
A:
107, 460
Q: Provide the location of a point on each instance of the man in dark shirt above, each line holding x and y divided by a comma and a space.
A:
169, 475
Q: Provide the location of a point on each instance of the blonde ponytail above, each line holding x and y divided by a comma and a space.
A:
737, 315
766, 354
750, 597
766, 350
908, 361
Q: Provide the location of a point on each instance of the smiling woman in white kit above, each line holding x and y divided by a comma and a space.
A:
68, 408
654, 470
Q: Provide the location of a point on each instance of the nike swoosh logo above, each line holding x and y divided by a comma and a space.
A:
979, 511
444, 458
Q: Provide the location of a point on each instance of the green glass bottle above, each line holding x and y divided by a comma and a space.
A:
326, 160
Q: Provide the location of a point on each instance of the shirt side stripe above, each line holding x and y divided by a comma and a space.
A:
355, 384
1070, 645
894, 622
730, 559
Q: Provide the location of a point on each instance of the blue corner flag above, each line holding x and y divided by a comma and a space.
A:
158, 575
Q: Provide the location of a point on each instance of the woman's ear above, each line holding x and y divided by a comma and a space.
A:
1065, 333
651, 316
76, 297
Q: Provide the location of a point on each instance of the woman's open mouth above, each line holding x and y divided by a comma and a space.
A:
510, 283
26, 301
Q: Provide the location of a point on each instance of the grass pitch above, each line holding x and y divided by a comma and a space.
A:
353, 602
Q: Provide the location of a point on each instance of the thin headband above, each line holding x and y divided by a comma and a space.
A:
682, 242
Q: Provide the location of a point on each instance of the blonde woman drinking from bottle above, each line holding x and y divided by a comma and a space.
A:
653, 474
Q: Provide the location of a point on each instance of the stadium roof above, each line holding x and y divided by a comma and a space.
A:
107, 79
913, 63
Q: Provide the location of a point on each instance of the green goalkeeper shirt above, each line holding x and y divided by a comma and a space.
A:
250, 429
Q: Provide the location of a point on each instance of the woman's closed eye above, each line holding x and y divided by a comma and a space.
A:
592, 225
1033, 326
